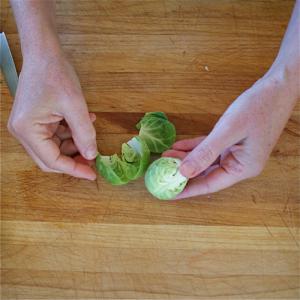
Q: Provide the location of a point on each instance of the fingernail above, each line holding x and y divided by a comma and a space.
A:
91, 152
188, 169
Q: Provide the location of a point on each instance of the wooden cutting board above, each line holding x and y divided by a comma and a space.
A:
64, 238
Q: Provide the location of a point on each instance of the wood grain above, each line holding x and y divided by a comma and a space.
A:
64, 238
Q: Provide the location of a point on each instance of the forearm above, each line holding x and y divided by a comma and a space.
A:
287, 63
36, 25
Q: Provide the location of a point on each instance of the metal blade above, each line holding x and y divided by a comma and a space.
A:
7, 65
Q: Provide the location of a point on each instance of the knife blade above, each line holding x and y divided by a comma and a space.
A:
7, 65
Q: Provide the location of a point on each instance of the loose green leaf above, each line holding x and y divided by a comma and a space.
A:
156, 114
112, 169
143, 152
134, 162
129, 154
157, 131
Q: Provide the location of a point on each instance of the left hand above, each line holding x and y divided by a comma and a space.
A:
50, 116
241, 141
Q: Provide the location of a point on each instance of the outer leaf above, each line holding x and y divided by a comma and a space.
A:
112, 169
140, 146
129, 154
134, 162
158, 132
157, 114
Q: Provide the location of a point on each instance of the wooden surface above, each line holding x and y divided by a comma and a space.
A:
64, 238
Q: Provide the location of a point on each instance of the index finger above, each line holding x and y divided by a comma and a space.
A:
217, 179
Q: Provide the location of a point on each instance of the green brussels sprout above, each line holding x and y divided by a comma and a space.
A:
134, 162
163, 179
157, 131
156, 134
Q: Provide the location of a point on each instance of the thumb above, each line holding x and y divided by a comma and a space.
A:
206, 153
83, 131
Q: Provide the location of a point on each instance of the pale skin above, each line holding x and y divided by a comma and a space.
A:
51, 119
240, 144
50, 116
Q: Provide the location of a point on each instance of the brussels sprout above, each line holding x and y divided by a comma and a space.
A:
156, 134
163, 179
134, 162
157, 131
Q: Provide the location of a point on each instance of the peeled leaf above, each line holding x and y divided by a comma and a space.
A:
129, 154
141, 148
156, 114
134, 162
112, 169
157, 131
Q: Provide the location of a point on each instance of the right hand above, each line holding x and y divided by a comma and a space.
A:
51, 119
239, 145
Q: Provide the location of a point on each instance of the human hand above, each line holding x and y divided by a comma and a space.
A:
51, 119
242, 140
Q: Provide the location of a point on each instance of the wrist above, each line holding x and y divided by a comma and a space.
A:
44, 61
41, 45
37, 28
286, 76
